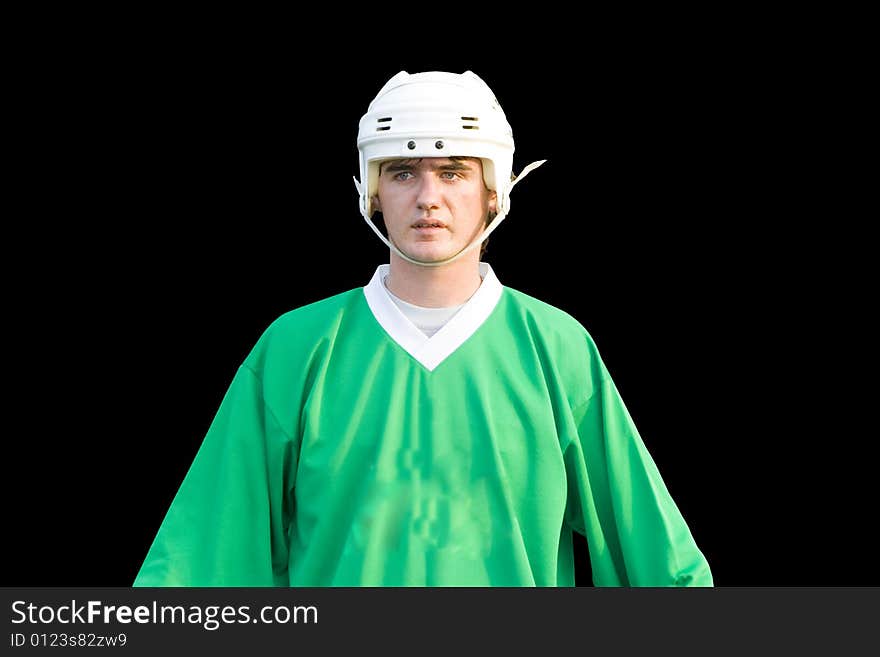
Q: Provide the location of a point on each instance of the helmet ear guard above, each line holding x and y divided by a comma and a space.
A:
437, 114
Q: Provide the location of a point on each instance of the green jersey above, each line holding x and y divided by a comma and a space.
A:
353, 450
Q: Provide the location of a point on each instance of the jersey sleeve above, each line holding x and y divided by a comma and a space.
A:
228, 523
619, 502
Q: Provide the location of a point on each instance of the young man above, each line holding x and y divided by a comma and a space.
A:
433, 428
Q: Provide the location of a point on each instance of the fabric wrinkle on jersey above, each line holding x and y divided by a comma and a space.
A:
351, 449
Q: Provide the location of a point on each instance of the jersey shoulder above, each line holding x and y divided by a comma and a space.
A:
323, 311
546, 317
562, 343
553, 327
304, 328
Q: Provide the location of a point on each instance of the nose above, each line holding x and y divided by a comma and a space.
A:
428, 192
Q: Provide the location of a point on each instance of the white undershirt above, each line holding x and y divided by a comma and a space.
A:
427, 320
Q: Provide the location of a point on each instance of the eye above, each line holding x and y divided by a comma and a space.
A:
449, 175
400, 176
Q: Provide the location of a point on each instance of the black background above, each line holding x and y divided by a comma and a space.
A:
179, 188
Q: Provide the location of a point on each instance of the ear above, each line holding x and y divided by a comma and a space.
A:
375, 205
493, 202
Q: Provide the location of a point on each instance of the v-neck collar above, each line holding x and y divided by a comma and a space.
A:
430, 352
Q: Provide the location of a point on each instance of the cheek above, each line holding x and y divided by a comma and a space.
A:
385, 200
478, 201
393, 197
395, 209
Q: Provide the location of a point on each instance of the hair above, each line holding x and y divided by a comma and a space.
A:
489, 220
485, 244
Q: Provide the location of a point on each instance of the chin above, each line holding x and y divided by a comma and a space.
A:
428, 249
428, 255
433, 257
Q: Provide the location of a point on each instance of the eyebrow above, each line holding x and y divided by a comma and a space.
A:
406, 165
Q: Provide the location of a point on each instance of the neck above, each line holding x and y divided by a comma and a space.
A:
435, 287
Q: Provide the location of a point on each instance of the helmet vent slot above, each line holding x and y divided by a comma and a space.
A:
470, 118
384, 119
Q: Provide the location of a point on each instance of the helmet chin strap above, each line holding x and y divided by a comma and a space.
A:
477, 241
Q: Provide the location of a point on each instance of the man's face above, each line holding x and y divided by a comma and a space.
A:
433, 206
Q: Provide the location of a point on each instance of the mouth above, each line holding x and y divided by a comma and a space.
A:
428, 225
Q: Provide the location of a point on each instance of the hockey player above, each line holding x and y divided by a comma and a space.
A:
434, 427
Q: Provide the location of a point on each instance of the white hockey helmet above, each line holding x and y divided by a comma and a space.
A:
436, 114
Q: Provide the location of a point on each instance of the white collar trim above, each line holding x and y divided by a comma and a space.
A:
432, 351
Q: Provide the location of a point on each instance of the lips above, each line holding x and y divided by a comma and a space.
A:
429, 223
